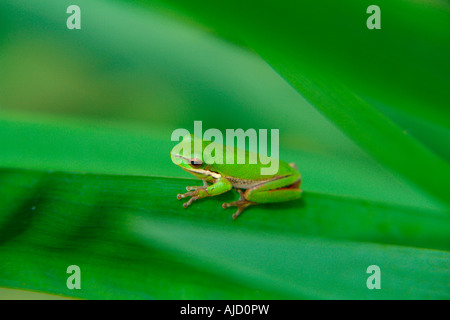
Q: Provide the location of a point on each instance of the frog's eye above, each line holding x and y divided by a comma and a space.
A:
195, 163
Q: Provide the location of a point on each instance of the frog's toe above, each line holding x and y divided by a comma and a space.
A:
191, 188
238, 212
187, 194
203, 187
187, 204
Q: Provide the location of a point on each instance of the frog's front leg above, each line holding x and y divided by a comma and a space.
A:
195, 192
220, 186
205, 185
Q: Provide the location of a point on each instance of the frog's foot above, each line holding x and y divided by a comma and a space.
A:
192, 194
241, 204
195, 192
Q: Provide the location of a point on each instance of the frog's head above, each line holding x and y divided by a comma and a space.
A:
188, 158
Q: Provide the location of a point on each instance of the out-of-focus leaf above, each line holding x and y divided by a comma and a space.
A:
12, 294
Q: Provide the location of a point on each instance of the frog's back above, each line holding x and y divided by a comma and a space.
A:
248, 174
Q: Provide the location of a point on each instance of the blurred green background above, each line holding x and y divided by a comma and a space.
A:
105, 100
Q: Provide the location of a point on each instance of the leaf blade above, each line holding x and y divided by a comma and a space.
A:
166, 251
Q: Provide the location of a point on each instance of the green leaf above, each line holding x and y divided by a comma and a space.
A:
86, 146
323, 56
85, 124
131, 238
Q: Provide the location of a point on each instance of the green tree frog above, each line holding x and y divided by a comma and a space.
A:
242, 176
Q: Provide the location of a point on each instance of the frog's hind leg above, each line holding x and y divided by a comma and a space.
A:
241, 204
277, 195
271, 193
